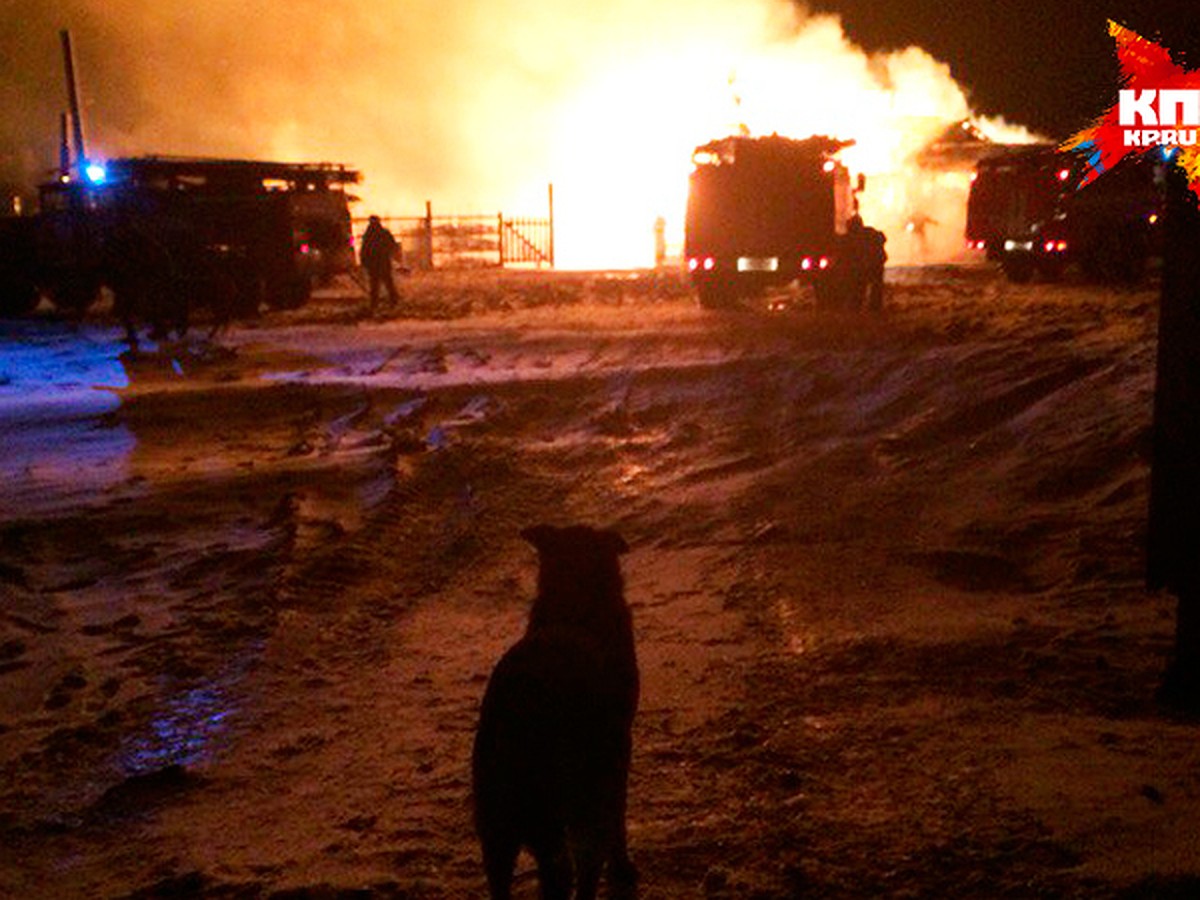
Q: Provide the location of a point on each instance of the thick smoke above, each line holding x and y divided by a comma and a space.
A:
474, 105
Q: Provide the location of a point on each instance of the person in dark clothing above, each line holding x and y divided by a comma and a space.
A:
863, 258
916, 225
379, 248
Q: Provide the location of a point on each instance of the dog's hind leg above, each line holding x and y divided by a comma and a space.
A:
622, 873
589, 862
554, 866
499, 859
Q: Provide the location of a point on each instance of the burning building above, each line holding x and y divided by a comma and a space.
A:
480, 106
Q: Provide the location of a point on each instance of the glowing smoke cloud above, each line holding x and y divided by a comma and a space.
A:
477, 105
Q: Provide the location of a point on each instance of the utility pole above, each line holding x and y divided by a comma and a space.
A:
1173, 557
73, 99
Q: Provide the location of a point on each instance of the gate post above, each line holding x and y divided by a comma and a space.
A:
551, 241
429, 235
500, 237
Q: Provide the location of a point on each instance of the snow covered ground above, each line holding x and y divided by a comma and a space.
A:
886, 583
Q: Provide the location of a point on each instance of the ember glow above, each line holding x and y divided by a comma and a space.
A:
477, 106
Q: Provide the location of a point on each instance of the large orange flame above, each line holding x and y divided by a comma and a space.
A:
622, 142
477, 104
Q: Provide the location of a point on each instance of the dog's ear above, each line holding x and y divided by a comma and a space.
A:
614, 543
540, 536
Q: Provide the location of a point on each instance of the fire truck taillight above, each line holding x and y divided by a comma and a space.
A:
823, 262
1064, 174
305, 249
976, 245
1054, 246
806, 263
1152, 218
707, 263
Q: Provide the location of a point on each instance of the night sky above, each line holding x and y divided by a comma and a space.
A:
1048, 64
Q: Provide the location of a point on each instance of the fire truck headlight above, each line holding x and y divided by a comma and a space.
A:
709, 264
823, 262
693, 264
1060, 246
806, 263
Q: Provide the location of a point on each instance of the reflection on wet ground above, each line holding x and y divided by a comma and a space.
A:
57, 386
181, 733
41, 361
151, 506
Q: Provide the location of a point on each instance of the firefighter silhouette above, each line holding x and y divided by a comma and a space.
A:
379, 248
863, 256
916, 226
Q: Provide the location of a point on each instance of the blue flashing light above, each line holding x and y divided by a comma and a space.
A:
1168, 153
95, 173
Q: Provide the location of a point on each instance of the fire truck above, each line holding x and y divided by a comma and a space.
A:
269, 230
765, 211
163, 231
1026, 212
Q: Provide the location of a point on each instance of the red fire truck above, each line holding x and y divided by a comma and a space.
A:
162, 231
270, 229
1027, 212
765, 211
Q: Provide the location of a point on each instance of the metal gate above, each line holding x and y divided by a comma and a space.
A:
472, 240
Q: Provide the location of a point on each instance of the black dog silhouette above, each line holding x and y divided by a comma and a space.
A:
551, 760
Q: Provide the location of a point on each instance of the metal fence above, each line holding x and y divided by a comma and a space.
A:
470, 241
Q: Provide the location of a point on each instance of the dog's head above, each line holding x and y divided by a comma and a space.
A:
578, 564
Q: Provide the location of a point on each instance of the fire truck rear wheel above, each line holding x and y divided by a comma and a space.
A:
291, 294
835, 296
1051, 271
76, 295
17, 297
1018, 269
716, 296
1117, 256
